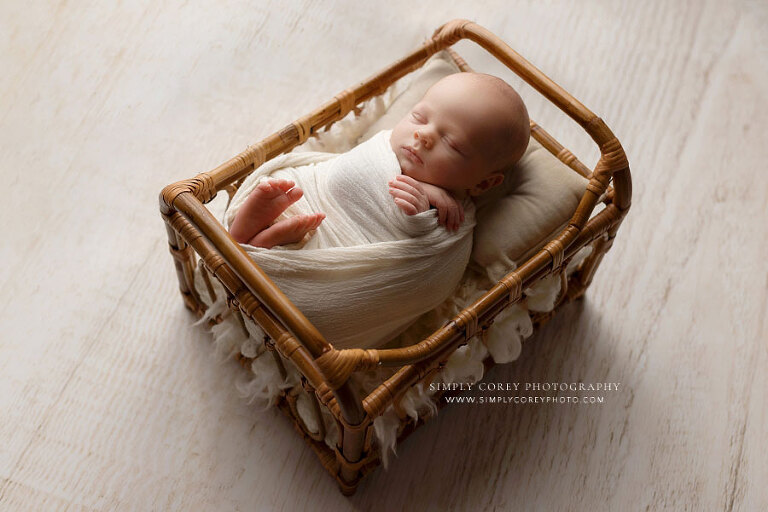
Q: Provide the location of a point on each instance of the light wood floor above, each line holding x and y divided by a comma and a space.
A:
111, 399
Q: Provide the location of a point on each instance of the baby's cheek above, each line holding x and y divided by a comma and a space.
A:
398, 134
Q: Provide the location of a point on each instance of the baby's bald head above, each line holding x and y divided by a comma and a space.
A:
466, 130
502, 110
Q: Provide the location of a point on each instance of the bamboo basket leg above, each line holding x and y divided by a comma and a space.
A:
183, 260
581, 279
350, 458
315, 408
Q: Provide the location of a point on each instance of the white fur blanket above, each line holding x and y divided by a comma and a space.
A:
369, 270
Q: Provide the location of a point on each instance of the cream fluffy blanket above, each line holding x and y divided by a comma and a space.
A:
369, 270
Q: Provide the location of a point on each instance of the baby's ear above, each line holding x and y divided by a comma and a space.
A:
487, 183
495, 179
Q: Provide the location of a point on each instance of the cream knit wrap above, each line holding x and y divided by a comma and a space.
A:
369, 270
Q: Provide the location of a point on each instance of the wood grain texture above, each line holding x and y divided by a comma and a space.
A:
110, 399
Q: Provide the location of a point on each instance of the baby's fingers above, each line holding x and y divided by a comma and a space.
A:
458, 217
455, 216
410, 181
453, 219
418, 201
406, 187
405, 201
407, 207
401, 194
442, 215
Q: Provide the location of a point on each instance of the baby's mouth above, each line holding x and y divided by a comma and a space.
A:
411, 154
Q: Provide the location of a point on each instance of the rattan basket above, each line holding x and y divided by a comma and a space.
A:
196, 237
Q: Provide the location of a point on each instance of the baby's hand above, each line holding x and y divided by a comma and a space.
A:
450, 213
409, 195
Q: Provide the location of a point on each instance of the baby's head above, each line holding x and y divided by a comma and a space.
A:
463, 133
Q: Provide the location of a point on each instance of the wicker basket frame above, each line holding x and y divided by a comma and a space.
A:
194, 232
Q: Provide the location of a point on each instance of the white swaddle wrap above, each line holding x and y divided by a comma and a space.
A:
369, 270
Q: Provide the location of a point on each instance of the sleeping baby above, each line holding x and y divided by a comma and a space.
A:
456, 142
385, 229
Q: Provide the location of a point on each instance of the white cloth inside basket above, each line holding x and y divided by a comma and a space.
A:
370, 270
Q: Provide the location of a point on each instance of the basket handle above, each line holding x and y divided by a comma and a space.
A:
338, 365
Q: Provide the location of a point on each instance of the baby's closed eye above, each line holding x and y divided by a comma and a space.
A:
451, 144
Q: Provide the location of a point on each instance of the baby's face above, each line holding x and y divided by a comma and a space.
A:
446, 139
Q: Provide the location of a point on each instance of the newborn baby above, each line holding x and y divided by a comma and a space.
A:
456, 142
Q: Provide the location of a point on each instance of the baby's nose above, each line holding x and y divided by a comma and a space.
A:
425, 139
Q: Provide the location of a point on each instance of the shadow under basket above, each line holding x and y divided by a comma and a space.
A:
197, 238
